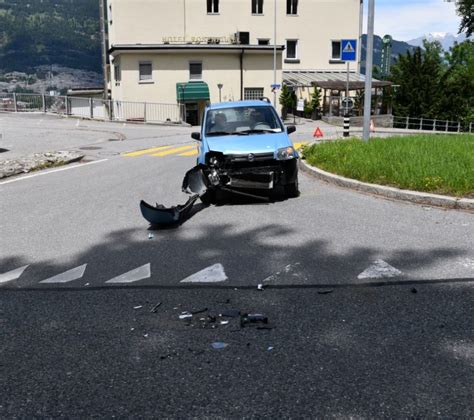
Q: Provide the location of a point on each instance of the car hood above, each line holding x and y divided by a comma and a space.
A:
252, 143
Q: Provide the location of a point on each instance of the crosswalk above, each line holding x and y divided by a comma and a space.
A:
293, 273
178, 150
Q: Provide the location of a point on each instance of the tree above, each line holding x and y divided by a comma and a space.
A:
418, 77
465, 9
287, 99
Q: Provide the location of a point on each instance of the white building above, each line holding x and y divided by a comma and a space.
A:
195, 51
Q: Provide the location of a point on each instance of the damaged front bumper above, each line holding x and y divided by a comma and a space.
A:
160, 215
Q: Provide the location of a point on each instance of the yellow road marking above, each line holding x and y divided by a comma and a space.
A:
146, 151
173, 151
191, 153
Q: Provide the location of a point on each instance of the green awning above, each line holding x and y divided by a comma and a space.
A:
192, 91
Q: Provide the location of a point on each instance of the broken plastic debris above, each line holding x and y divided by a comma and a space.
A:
87, 284
413, 290
260, 286
150, 236
253, 319
138, 307
160, 215
224, 322
145, 335
185, 315
270, 348
325, 292
155, 308
218, 345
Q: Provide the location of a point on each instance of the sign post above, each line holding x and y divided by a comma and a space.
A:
348, 54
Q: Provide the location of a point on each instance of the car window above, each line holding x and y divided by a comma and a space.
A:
235, 120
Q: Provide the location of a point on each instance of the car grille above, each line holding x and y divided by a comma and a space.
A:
258, 157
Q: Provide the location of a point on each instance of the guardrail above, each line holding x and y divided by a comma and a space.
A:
429, 124
92, 108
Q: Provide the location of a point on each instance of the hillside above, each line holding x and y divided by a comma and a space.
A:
398, 47
44, 32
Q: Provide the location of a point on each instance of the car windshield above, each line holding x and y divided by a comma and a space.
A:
242, 120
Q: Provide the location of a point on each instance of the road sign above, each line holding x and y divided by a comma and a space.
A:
348, 49
300, 105
348, 102
274, 86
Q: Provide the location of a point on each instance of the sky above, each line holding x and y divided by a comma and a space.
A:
409, 19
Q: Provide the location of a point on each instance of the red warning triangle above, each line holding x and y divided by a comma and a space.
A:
318, 133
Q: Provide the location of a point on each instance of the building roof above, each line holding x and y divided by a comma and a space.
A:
328, 79
193, 47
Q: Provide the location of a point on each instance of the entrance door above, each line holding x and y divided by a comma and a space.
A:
192, 115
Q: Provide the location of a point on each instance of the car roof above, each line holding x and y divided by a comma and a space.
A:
237, 104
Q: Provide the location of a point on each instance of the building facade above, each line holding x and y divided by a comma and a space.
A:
195, 51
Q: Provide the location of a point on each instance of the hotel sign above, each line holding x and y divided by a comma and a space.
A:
229, 39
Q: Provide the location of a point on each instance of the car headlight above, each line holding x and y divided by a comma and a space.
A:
286, 153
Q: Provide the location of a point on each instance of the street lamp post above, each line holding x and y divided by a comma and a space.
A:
368, 71
220, 86
274, 52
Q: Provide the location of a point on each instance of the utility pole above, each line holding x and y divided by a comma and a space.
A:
368, 71
274, 52
103, 38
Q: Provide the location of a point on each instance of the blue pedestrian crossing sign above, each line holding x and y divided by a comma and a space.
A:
348, 49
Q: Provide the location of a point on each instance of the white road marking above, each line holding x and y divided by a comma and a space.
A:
80, 165
212, 274
467, 263
12, 275
379, 269
67, 276
288, 270
140, 273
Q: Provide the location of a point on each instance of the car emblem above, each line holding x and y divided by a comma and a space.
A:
251, 157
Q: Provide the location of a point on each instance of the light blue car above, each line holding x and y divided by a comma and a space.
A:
244, 146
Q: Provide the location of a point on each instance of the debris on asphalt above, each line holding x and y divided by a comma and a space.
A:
218, 345
270, 348
413, 290
260, 287
255, 319
185, 315
145, 335
151, 236
138, 307
224, 322
199, 311
87, 284
325, 292
155, 308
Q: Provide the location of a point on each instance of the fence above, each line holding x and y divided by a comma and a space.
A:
91, 108
429, 124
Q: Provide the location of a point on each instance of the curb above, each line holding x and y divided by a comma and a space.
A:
389, 192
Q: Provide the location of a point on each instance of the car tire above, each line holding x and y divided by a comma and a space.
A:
292, 190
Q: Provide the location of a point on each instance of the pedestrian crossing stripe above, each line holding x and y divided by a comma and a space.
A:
179, 150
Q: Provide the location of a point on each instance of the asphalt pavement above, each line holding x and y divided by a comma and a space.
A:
369, 301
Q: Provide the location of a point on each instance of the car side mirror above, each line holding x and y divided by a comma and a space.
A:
290, 129
196, 136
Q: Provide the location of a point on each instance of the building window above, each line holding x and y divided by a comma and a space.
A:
195, 71
291, 49
145, 72
212, 7
291, 7
253, 94
263, 42
336, 50
117, 74
257, 7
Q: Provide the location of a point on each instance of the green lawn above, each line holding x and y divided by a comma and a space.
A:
440, 164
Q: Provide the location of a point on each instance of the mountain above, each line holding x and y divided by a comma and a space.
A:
46, 32
398, 47
446, 39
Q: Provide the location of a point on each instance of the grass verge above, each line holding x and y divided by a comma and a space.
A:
439, 164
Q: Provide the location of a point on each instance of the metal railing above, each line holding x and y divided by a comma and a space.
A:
429, 124
92, 108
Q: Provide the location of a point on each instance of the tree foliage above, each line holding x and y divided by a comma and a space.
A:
465, 9
432, 86
287, 98
38, 32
